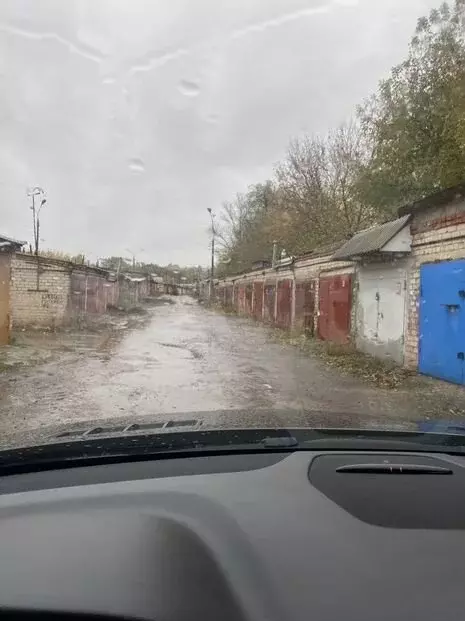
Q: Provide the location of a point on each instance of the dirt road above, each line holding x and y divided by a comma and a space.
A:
189, 360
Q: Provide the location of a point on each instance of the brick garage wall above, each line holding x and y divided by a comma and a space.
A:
438, 234
43, 305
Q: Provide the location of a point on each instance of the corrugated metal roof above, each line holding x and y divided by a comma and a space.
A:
328, 248
371, 240
134, 278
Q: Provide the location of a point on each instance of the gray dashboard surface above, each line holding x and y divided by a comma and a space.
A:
257, 544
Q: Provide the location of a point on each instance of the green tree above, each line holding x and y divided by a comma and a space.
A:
243, 230
416, 121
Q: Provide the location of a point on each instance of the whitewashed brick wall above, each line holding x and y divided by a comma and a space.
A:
32, 306
438, 234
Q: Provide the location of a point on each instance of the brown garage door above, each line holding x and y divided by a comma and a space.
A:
305, 305
268, 309
248, 298
284, 293
257, 300
335, 298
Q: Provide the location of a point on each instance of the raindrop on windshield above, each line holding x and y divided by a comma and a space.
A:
136, 166
190, 89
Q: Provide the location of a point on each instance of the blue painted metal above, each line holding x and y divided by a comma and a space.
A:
441, 426
442, 320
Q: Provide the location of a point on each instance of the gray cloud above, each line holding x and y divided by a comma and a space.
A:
136, 116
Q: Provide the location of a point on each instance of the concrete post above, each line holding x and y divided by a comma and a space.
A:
275, 311
263, 299
292, 322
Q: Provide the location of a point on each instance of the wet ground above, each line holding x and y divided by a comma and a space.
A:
190, 362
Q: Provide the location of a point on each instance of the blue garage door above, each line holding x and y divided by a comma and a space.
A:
442, 320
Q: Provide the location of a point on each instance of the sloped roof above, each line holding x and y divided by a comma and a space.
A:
4, 241
328, 248
132, 278
371, 240
438, 199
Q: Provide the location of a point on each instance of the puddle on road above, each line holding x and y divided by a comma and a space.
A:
185, 360
99, 338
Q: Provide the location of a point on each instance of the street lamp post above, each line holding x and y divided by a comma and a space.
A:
42, 203
36, 192
212, 269
133, 254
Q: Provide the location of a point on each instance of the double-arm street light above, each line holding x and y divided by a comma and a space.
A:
133, 255
212, 269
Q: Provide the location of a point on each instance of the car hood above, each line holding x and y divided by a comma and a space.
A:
134, 426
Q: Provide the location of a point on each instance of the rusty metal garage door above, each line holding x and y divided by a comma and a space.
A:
283, 313
258, 300
241, 299
248, 298
305, 306
228, 297
268, 309
335, 298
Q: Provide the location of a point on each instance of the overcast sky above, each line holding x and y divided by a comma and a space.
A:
137, 115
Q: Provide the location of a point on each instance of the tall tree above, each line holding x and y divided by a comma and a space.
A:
416, 121
319, 183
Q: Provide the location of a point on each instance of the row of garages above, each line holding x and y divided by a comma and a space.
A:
43, 292
308, 296
396, 290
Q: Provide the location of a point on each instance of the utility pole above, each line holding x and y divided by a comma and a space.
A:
39, 193
212, 269
133, 254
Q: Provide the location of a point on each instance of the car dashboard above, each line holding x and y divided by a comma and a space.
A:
272, 535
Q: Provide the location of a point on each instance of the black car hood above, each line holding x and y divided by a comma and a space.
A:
146, 438
219, 419
132, 424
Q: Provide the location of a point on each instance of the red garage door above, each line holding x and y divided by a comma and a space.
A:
335, 298
284, 293
305, 305
257, 300
268, 310
241, 299
248, 298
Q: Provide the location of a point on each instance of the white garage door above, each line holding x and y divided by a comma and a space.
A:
381, 309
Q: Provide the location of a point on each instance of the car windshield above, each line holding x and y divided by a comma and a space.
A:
223, 214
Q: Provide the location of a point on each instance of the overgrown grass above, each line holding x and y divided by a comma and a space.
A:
348, 360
